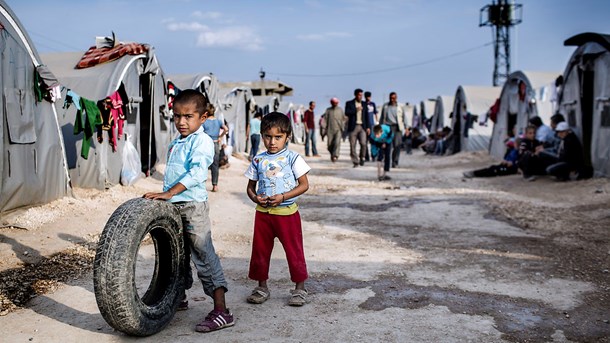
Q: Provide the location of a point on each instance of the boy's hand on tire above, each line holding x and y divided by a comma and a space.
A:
157, 196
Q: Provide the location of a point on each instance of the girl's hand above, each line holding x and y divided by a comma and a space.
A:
276, 200
262, 200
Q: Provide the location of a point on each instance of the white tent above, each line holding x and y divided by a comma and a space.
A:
267, 104
469, 104
147, 123
295, 113
206, 83
426, 109
585, 97
515, 111
238, 106
33, 164
443, 107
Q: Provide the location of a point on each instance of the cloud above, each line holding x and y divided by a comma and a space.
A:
239, 37
207, 15
193, 26
323, 36
235, 37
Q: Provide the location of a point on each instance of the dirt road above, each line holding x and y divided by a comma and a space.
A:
426, 257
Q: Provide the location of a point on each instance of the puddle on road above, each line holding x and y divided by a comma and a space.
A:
517, 318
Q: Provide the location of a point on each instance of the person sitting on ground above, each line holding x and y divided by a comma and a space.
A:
529, 163
545, 154
544, 133
508, 166
381, 141
442, 141
430, 144
571, 161
418, 138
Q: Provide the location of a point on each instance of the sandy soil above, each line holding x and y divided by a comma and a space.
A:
426, 257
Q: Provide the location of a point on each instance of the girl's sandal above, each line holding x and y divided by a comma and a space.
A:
299, 297
259, 295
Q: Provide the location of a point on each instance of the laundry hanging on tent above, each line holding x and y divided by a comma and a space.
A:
72, 98
92, 118
172, 91
108, 123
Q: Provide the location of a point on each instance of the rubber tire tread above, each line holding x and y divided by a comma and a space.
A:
115, 264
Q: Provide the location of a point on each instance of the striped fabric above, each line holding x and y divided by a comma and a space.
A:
95, 56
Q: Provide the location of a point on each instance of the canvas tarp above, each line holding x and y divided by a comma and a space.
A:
295, 113
468, 135
442, 110
514, 112
585, 98
147, 122
33, 163
238, 107
206, 83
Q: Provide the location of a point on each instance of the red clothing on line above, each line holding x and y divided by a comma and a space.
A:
288, 230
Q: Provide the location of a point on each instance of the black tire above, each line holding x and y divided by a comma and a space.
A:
115, 265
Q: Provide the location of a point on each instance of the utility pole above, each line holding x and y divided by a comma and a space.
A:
501, 16
261, 73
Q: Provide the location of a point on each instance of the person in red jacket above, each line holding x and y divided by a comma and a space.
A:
310, 129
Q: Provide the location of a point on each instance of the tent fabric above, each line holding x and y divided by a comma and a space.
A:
585, 98
295, 113
142, 80
475, 100
206, 83
442, 111
537, 102
33, 163
237, 107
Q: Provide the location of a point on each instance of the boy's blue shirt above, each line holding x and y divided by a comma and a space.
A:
188, 161
387, 136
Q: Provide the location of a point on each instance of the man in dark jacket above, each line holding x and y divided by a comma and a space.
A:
358, 128
570, 155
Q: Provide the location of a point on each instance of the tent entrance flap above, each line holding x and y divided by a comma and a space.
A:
587, 101
148, 153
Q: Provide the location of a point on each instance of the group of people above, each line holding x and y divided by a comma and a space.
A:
276, 177
542, 150
362, 124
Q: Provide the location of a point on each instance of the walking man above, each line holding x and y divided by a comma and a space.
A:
335, 125
392, 114
373, 119
310, 129
358, 129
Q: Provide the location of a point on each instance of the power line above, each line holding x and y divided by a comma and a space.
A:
55, 41
385, 70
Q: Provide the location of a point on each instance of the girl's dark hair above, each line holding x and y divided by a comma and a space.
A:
278, 120
536, 121
191, 96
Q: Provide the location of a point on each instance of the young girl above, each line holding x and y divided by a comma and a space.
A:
215, 129
281, 176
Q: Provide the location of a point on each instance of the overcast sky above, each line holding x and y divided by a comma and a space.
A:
432, 46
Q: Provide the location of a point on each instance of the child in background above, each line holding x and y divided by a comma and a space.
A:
381, 141
275, 178
188, 160
215, 129
254, 129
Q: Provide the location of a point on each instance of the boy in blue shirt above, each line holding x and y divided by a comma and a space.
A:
381, 142
188, 160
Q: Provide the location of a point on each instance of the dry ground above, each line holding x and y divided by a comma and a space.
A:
426, 257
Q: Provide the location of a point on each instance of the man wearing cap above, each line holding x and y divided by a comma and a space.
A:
335, 124
571, 161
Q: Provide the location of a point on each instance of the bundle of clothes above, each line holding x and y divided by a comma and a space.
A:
92, 117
